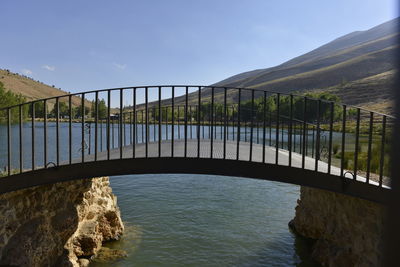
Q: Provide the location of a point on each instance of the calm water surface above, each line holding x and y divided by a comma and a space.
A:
201, 220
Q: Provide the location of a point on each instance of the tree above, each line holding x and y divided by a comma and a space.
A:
63, 110
8, 98
39, 110
102, 109
77, 111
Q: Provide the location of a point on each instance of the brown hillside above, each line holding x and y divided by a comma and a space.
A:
32, 89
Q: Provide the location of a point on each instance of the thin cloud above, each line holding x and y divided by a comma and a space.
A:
50, 68
27, 72
119, 66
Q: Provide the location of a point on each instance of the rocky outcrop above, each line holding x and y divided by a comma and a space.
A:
348, 231
63, 224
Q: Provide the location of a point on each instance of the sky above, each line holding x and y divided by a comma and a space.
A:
80, 45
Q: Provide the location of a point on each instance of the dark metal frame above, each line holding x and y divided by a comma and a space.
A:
289, 126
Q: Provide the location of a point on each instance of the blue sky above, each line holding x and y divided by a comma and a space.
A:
89, 44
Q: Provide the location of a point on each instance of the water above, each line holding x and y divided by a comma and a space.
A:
202, 220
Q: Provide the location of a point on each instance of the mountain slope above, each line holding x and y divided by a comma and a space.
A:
32, 89
339, 50
363, 61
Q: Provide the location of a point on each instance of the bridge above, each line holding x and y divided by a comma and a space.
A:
200, 130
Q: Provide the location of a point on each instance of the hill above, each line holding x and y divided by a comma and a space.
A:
32, 89
359, 67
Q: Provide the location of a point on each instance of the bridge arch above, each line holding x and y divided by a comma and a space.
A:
244, 169
240, 132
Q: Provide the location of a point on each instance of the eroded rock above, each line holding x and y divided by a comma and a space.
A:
348, 231
55, 225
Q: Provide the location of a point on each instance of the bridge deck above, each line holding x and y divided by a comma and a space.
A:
218, 153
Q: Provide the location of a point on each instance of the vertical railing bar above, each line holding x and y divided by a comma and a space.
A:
227, 126
332, 107
112, 133
186, 119
101, 134
245, 129
154, 124
198, 122
303, 159
343, 140
21, 164
277, 129
159, 121
312, 142
301, 137
45, 133
173, 121
356, 145
270, 128
212, 123
108, 123
371, 121
382, 157
124, 128
136, 141
258, 132
190, 121
166, 123
147, 120
9, 149
178, 123
143, 125
58, 131
89, 127
294, 136
317, 144
134, 123
264, 124
238, 126
96, 121
290, 136
209, 121
225, 122
83, 126
131, 128
231, 119
251, 125
70, 128
220, 124
282, 131
203, 123
33, 136
121, 132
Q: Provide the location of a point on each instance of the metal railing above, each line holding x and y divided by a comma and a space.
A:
199, 121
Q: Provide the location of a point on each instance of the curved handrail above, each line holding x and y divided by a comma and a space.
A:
297, 130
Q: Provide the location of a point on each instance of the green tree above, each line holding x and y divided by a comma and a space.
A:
102, 109
63, 110
8, 98
77, 112
39, 109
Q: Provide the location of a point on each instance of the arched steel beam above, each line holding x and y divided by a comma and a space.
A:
245, 169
